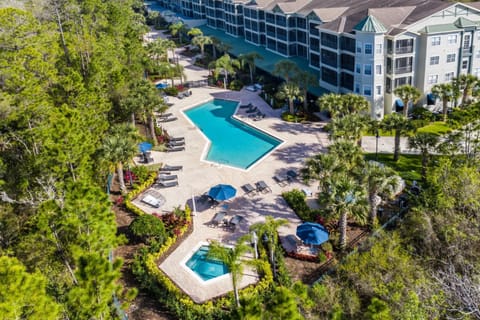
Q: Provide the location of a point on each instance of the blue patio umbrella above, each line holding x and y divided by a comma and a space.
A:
222, 192
312, 233
144, 146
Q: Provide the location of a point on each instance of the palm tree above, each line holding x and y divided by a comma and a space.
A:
379, 179
349, 153
321, 167
400, 125
407, 94
466, 83
445, 92
225, 65
354, 103
425, 142
201, 41
332, 103
305, 79
268, 230
195, 32
156, 50
288, 91
232, 258
249, 60
178, 28
345, 198
350, 127
219, 45
119, 147
285, 69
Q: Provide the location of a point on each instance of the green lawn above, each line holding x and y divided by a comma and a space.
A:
438, 127
408, 166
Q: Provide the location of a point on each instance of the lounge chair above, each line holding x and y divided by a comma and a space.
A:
167, 184
176, 139
167, 177
249, 189
291, 175
175, 148
167, 119
252, 110
175, 143
262, 187
165, 115
281, 180
170, 168
217, 219
244, 106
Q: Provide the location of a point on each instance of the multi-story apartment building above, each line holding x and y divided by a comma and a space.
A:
368, 47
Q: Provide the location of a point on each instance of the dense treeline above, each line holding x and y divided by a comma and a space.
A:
65, 67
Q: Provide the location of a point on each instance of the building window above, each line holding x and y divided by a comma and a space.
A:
357, 88
378, 90
358, 68
477, 54
465, 64
435, 41
449, 76
359, 47
434, 60
367, 69
452, 39
367, 90
378, 69
368, 48
378, 48
451, 57
432, 79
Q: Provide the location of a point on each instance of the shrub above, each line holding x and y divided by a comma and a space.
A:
141, 173
148, 229
296, 201
235, 85
286, 116
171, 91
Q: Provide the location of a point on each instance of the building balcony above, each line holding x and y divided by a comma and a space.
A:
400, 70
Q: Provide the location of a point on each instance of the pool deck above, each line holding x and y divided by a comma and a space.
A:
300, 142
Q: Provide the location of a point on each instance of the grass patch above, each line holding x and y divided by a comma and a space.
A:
381, 133
408, 166
438, 127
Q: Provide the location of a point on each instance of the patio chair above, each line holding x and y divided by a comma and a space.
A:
249, 189
166, 168
259, 116
167, 184
262, 187
281, 180
167, 177
175, 148
217, 219
176, 139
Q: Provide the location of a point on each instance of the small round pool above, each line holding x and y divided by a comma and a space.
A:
206, 268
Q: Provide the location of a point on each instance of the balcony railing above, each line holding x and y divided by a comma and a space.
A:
406, 69
401, 50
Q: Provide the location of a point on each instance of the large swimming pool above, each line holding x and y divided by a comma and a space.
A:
233, 143
206, 268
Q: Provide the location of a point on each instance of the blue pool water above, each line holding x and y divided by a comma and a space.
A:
233, 143
204, 268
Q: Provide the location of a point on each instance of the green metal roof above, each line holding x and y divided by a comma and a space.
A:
370, 24
464, 23
240, 46
439, 28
